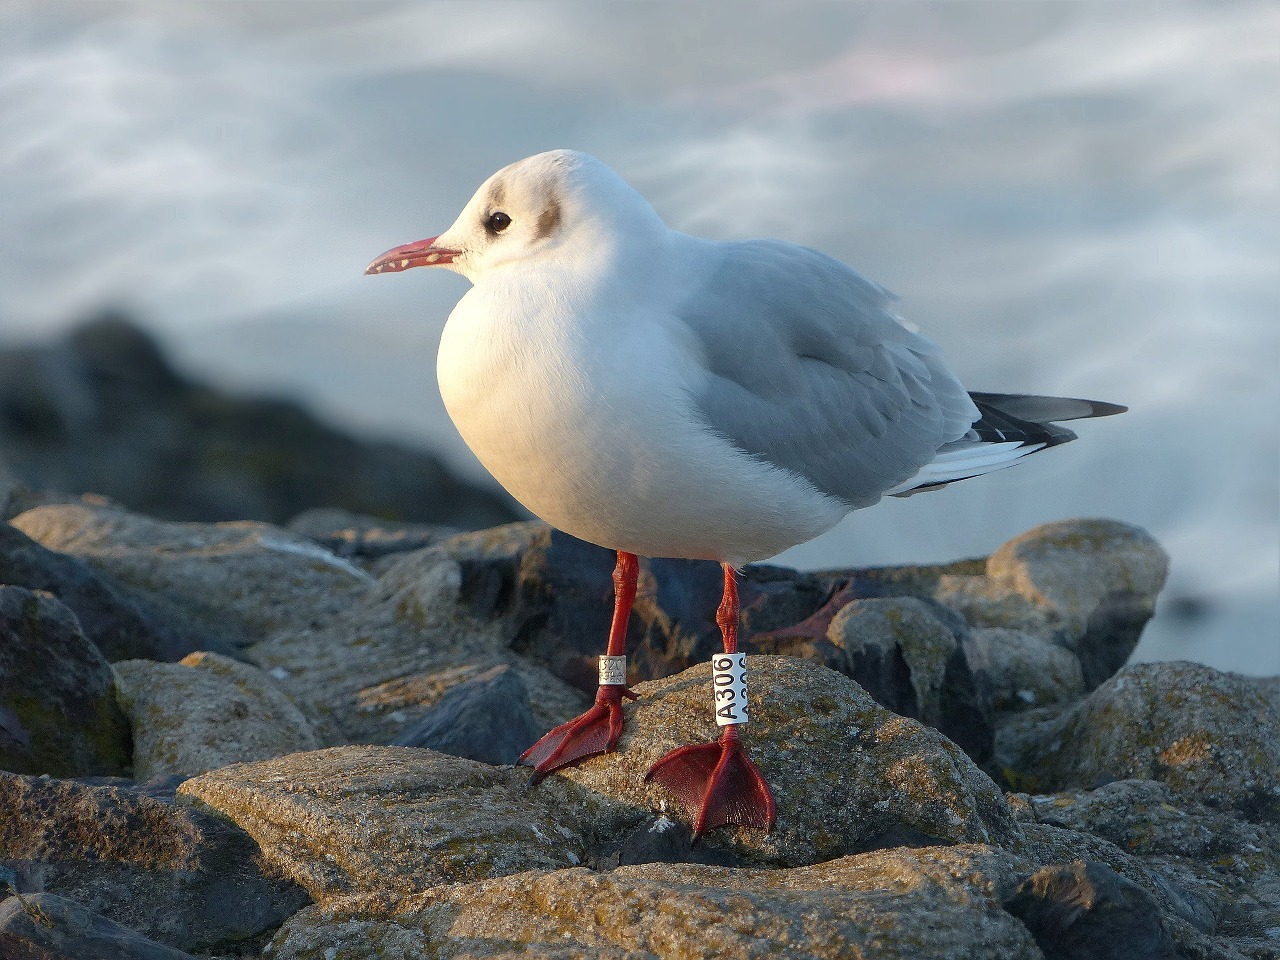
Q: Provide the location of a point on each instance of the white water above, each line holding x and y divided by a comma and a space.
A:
1072, 198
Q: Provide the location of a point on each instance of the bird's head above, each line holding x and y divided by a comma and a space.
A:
559, 204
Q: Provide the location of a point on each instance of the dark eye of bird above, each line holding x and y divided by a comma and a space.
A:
497, 222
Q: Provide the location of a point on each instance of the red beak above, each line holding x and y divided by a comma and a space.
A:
423, 253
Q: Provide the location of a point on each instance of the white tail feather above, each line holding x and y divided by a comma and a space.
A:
965, 459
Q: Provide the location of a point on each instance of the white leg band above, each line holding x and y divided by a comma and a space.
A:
729, 687
613, 671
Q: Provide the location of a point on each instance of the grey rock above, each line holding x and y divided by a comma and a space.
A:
363, 819
58, 712
1210, 736
234, 582
119, 626
1087, 911
1088, 584
891, 905
1269, 687
844, 771
1045, 845
912, 653
178, 875
1021, 671
1147, 817
205, 712
1226, 862
878, 634
358, 535
486, 718
47, 927
370, 672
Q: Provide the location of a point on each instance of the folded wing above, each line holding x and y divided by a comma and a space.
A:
808, 370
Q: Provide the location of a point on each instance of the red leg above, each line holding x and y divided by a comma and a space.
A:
716, 782
597, 730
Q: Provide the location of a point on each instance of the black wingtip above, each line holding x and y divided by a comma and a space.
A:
1038, 409
1103, 409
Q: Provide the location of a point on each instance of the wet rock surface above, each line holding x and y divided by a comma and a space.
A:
891, 710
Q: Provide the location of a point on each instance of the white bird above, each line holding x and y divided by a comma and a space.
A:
670, 396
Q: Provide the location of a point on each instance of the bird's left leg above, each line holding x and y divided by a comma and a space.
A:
716, 782
597, 730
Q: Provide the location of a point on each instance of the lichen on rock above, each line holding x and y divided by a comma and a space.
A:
1209, 735
890, 904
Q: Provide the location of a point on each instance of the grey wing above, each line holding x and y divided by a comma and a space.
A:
809, 371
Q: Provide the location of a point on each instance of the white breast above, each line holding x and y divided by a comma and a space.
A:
578, 407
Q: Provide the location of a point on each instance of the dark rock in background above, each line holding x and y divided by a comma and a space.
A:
367, 538
557, 592
58, 711
1087, 911
104, 412
48, 927
486, 718
179, 875
119, 626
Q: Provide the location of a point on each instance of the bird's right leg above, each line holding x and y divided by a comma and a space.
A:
597, 730
716, 782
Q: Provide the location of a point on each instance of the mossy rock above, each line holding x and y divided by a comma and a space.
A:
58, 712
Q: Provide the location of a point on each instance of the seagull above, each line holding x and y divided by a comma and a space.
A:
665, 395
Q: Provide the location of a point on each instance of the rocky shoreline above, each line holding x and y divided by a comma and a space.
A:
237, 740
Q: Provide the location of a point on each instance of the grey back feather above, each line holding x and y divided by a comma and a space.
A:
809, 371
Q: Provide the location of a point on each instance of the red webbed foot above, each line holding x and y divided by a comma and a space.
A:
717, 783
596, 731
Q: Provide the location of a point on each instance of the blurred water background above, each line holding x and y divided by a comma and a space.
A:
1073, 198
